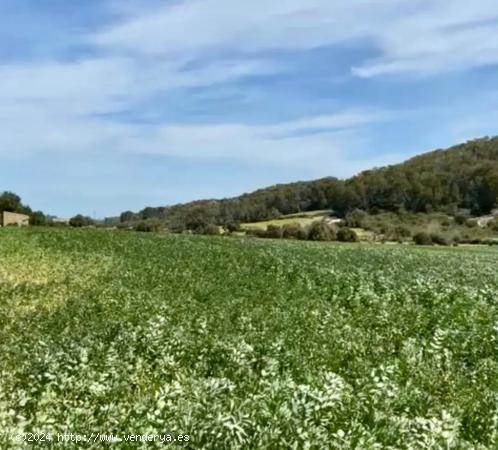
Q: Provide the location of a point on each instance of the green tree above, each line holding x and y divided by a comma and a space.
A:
346, 234
79, 221
320, 231
126, 216
37, 219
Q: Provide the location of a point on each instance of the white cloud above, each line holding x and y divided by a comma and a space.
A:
306, 142
192, 43
441, 36
337, 147
198, 25
314, 144
84, 87
106, 85
411, 36
339, 121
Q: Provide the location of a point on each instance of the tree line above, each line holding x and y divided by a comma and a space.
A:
12, 203
464, 177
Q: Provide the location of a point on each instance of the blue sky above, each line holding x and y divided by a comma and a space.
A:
109, 105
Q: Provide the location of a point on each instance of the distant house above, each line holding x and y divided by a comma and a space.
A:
14, 219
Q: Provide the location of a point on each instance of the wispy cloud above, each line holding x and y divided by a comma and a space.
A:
410, 36
309, 143
438, 37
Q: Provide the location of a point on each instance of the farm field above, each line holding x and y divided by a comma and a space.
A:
247, 343
303, 219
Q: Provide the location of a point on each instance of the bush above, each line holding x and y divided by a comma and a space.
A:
81, 221
303, 234
292, 231
401, 232
56, 224
493, 225
147, 226
356, 218
446, 223
256, 232
346, 234
460, 219
471, 223
320, 231
274, 232
271, 232
472, 240
422, 238
439, 239
375, 211
211, 230
232, 227
37, 219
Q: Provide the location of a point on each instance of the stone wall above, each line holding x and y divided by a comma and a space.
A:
9, 218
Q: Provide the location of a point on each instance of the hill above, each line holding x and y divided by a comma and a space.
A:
464, 177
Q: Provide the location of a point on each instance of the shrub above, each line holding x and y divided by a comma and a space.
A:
292, 231
80, 221
303, 234
439, 239
232, 227
493, 225
422, 238
37, 218
147, 226
346, 234
471, 223
211, 230
472, 240
401, 232
356, 218
256, 232
320, 231
460, 219
375, 211
274, 232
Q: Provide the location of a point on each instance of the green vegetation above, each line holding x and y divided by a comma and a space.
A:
285, 220
12, 203
80, 221
248, 344
422, 228
460, 181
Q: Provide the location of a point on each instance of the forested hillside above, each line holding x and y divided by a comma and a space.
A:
462, 177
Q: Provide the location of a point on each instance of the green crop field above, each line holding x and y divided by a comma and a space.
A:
242, 343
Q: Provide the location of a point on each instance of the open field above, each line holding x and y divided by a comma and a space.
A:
250, 344
317, 213
303, 221
303, 218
